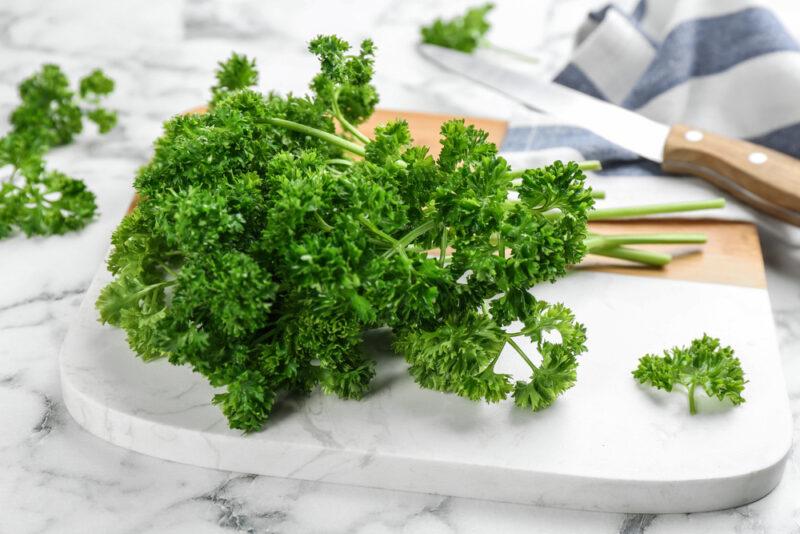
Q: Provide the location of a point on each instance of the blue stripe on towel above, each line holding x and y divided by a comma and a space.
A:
573, 76
640, 10
785, 139
707, 46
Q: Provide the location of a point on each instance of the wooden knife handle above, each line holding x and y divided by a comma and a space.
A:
763, 178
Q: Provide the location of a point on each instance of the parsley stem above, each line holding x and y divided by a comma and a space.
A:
169, 271
521, 353
692, 407
406, 240
588, 165
443, 247
653, 209
490, 367
345, 123
333, 139
647, 257
339, 161
325, 226
596, 241
377, 231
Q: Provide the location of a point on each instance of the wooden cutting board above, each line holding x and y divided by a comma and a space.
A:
731, 256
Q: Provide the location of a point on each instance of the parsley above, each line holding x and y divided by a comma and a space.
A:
466, 33
238, 72
32, 199
265, 243
705, 364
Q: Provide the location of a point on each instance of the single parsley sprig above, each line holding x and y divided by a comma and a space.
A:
466, 33
265, 243
237, 72
705, 364
32, 199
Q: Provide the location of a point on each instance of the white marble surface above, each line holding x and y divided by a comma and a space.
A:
608, 444
58, 478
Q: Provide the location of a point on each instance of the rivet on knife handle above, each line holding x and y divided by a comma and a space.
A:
763, 178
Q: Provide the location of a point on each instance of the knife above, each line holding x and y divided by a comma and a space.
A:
765, 179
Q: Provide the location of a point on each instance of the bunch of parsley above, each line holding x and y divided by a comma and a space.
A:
32, 199
261, 249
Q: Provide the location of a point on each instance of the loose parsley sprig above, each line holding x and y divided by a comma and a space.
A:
705, 364
266, 242
32, 199
466, 33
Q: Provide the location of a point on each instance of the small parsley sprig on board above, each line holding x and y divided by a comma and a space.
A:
705, 364
466, 33
33, 199
271, 233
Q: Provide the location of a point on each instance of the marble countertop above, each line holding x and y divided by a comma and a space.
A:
58, 478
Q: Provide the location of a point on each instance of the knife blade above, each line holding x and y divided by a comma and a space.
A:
763, 178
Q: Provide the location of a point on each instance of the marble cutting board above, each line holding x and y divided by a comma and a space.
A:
607, 444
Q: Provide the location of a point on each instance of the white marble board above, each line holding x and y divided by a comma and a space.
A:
607, 444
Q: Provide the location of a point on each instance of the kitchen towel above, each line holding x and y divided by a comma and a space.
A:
728, 66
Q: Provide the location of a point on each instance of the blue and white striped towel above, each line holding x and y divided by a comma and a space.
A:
728, 66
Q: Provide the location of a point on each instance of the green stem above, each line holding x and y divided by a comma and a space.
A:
653, 209
521, 353
345, 123
443, 247
588, 165
325, 226
340, 161
377, 231
646, 257
169, 271
490, 367
509, 52
605, 241
406, 240
692, 407
333, 139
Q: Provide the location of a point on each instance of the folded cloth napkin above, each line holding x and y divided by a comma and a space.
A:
728, 66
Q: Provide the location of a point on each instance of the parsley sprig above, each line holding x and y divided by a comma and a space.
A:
271, 233
467, 32
33, 199
704, 364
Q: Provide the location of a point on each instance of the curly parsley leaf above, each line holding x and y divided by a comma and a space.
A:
54, 112
464, 32
237, 72
705, 363
343, 84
